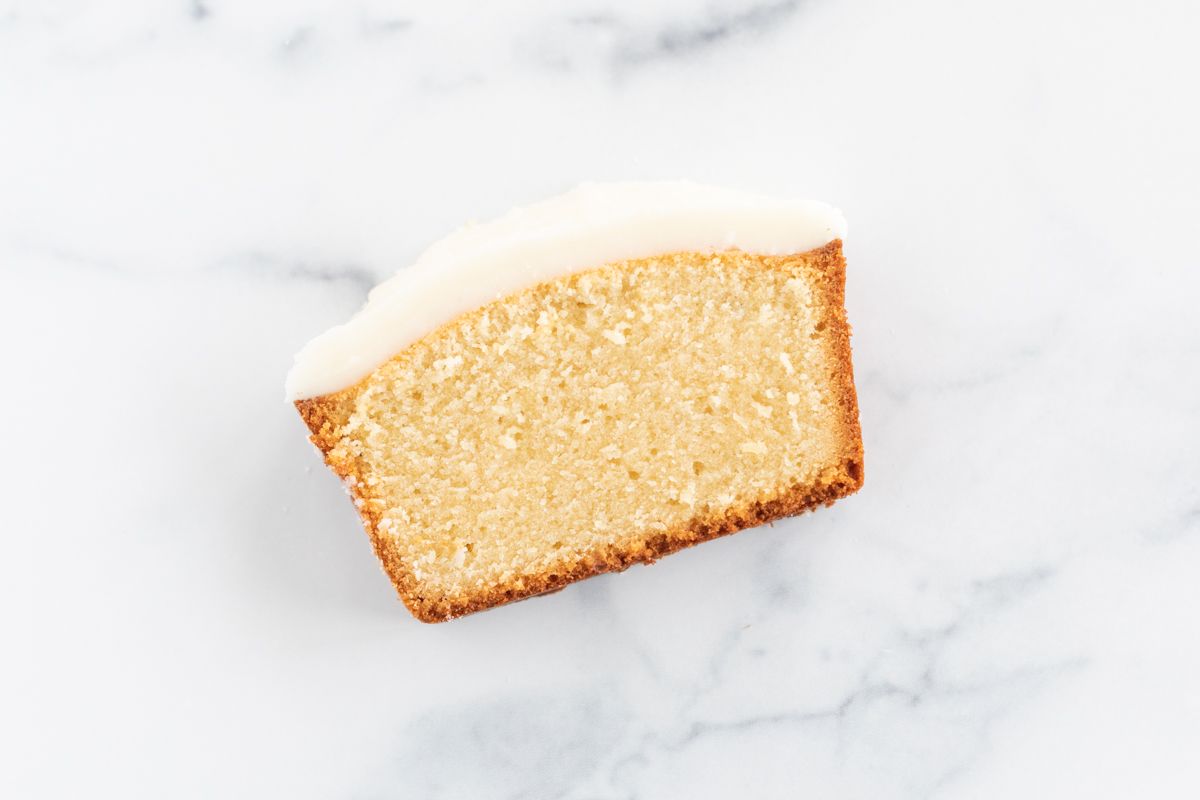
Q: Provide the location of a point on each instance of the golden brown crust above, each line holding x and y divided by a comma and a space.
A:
615, 559
832, 264
326, 414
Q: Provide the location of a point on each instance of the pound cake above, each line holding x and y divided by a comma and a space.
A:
587, 383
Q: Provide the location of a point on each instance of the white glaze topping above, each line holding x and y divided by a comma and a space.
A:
587, 227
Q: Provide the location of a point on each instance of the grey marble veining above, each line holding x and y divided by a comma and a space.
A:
191, 190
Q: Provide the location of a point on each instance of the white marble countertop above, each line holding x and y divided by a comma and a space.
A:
1009, 608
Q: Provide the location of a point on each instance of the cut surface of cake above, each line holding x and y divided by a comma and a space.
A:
588, 383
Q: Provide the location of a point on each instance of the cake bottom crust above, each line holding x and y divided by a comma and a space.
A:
839, 483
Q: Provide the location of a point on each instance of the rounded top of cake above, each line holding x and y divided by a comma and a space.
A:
587, 227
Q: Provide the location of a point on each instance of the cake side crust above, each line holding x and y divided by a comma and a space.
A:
832, 264
326, 414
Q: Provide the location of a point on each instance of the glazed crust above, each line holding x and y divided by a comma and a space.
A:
325, 415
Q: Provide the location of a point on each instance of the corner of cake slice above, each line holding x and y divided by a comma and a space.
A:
591, 382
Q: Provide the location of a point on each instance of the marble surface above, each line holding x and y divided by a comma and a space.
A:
190, 190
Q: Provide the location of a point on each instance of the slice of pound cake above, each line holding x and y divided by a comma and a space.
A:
586, 383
